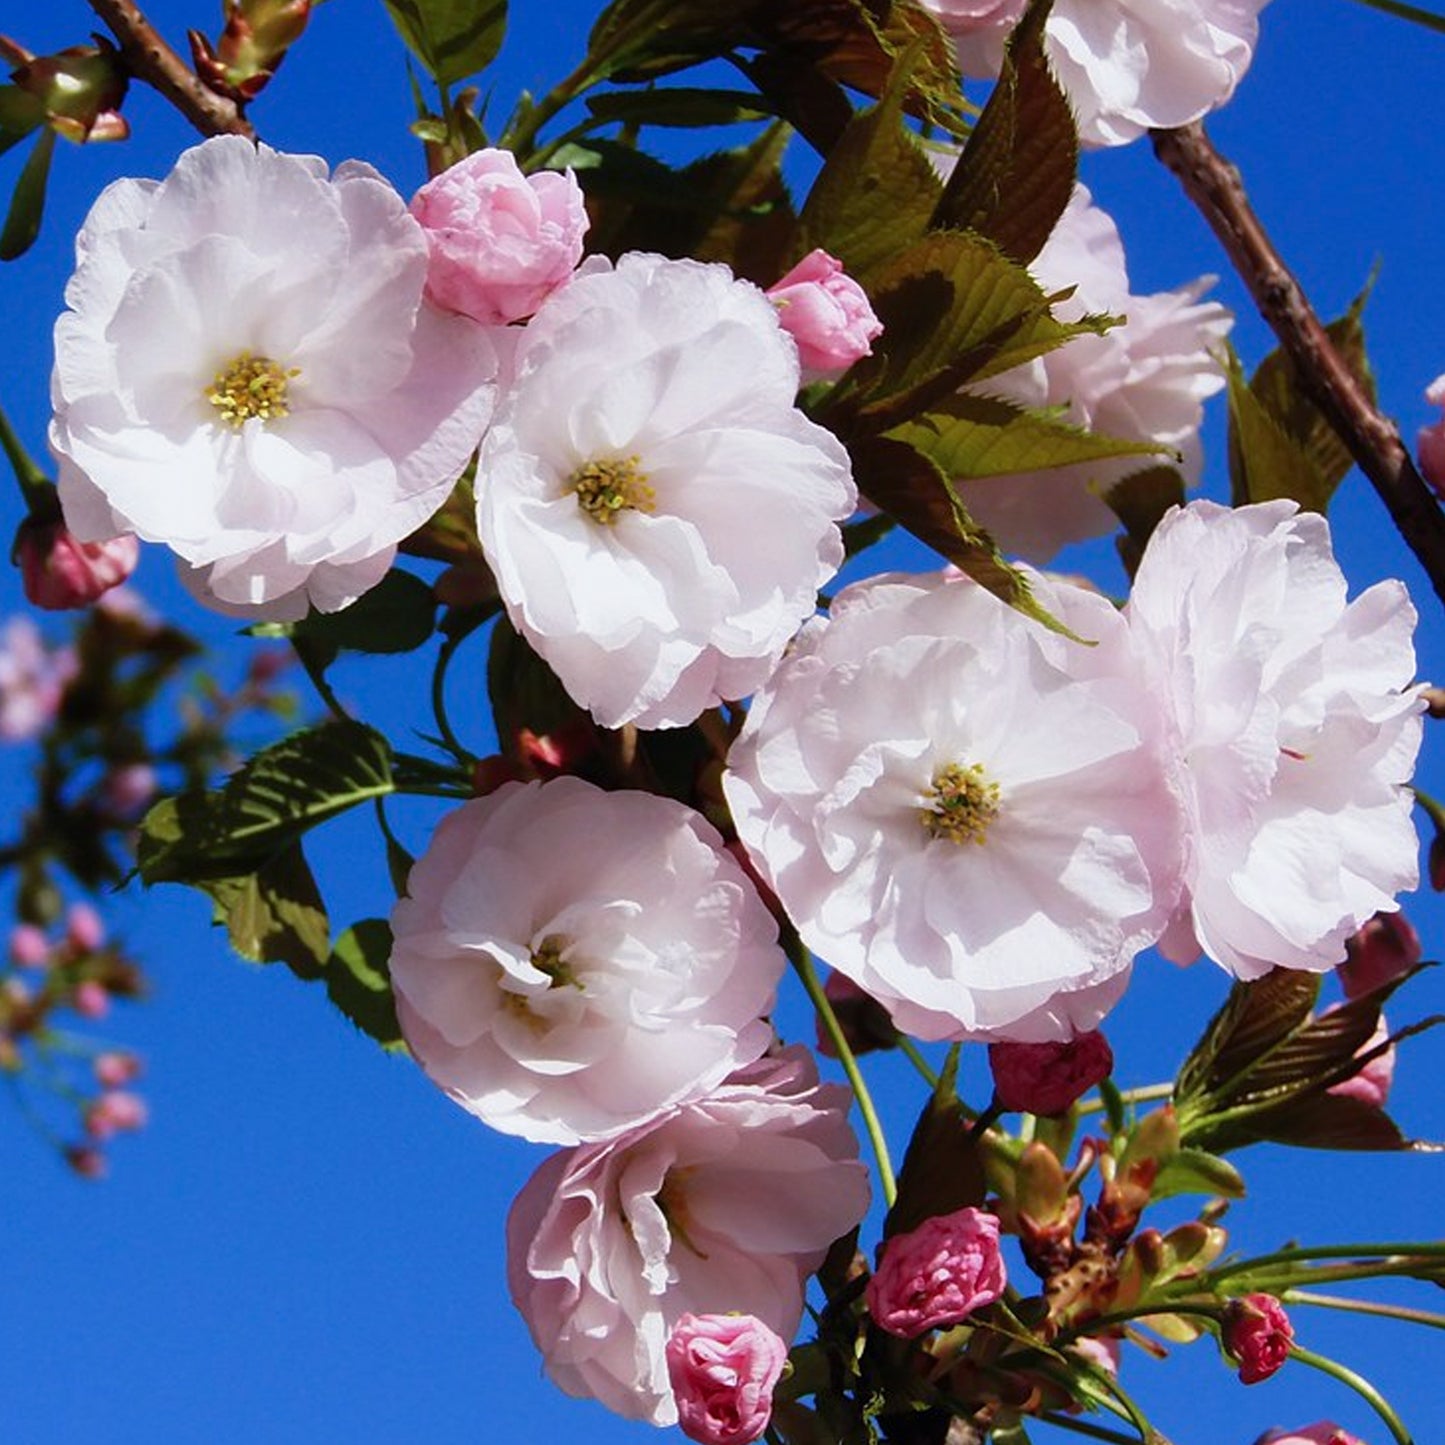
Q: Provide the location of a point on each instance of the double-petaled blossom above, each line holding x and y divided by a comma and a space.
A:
1257, 1332
59, 572
569, 961
657, 512
724, 1205
827, 313
937, 1274
1144, 380
1293, 725
723, 1369
961, 810
1323, 1432
248, 373
1127, 66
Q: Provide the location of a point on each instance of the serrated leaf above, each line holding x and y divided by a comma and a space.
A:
452, 38
683, 106
358, 980
275, 915
975, 436
876, 193
266, 807
1016, 173
27, 204
942, 1169
1265, 461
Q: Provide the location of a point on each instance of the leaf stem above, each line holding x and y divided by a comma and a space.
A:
36, 487
802, 963
911, 1052
1143, 1095
1413, 13
1360, 1385
1366, 1307
317, 675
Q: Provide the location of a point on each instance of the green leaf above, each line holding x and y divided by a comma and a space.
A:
276, 914
452, 38
21, 113
1140, 501
942, 1170
397, 615
1194, 1171
27, 205
876, 193
981, 436
358, 980
266, 807
1016, 173
678, 106
1265, 461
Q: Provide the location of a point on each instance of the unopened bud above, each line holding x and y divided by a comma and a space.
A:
79, 89
1257, 1332
863, 1020
257, 36
59, 572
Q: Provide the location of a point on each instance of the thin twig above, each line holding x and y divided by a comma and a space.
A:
1215, 187
152, 60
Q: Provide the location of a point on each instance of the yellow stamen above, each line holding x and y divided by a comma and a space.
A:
251, 386
961, 804
605, 490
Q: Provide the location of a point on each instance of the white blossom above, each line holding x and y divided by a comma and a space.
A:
658, 513
962, 811
1292, 727
247, 373
569, 961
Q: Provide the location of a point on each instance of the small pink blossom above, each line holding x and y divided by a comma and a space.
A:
827, 313
83, 929
1047, 1078
723, 1369
1326, 1432
500, 242
32, 680
60, 572
1371, 1085
29, 947
1383, 949
91, 999
115, 1112
1257, 1332
1430, 443
115, 1069
937, 1274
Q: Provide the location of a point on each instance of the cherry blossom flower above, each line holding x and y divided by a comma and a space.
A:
723, 1370
500, 242
657, 512
1047, 1078
961, 810
58, 572
1293, 728
569, 961
1430, 440
1323, 1432
247, 373
1257, 1332
1127, 66
1386, 947
937, 1274
827, 313
1143, 381
723, 1205
32, 680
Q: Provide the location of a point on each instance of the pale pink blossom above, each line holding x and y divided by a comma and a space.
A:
1257, 1332
84, 930
1047, 1078
29, 947
500, 242
657, 512
827, 313
32, 680
1371, 1086
91, 999
1383, 949
723, 1369
1126, 66
59, 572
569, 961
248, 373
115, 1112
1294, 723
723, 1205
1430, 441
115, 1069
937, 1274
961, 810
1145, 380
1325, 1432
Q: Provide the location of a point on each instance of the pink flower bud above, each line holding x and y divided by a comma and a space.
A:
1372, 1084
88, 1162
1048, 1078
1384, 949
83, 929
827, 313
29, 947
723, 1369
115, 1069
1326, 1432
1435, 863
91, 1000
1257, 1332
128, 789
59, 572
500, 242
115, 1112
865, 1022
937, 1274
1430, 443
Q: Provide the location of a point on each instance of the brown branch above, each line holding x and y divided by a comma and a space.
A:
151, 59
1215, 187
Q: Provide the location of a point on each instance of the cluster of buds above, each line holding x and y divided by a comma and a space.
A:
257, 36
80, 973
77, 92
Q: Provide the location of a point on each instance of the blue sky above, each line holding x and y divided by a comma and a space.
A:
305, 1244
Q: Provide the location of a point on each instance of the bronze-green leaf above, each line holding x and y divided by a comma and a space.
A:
452, 38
